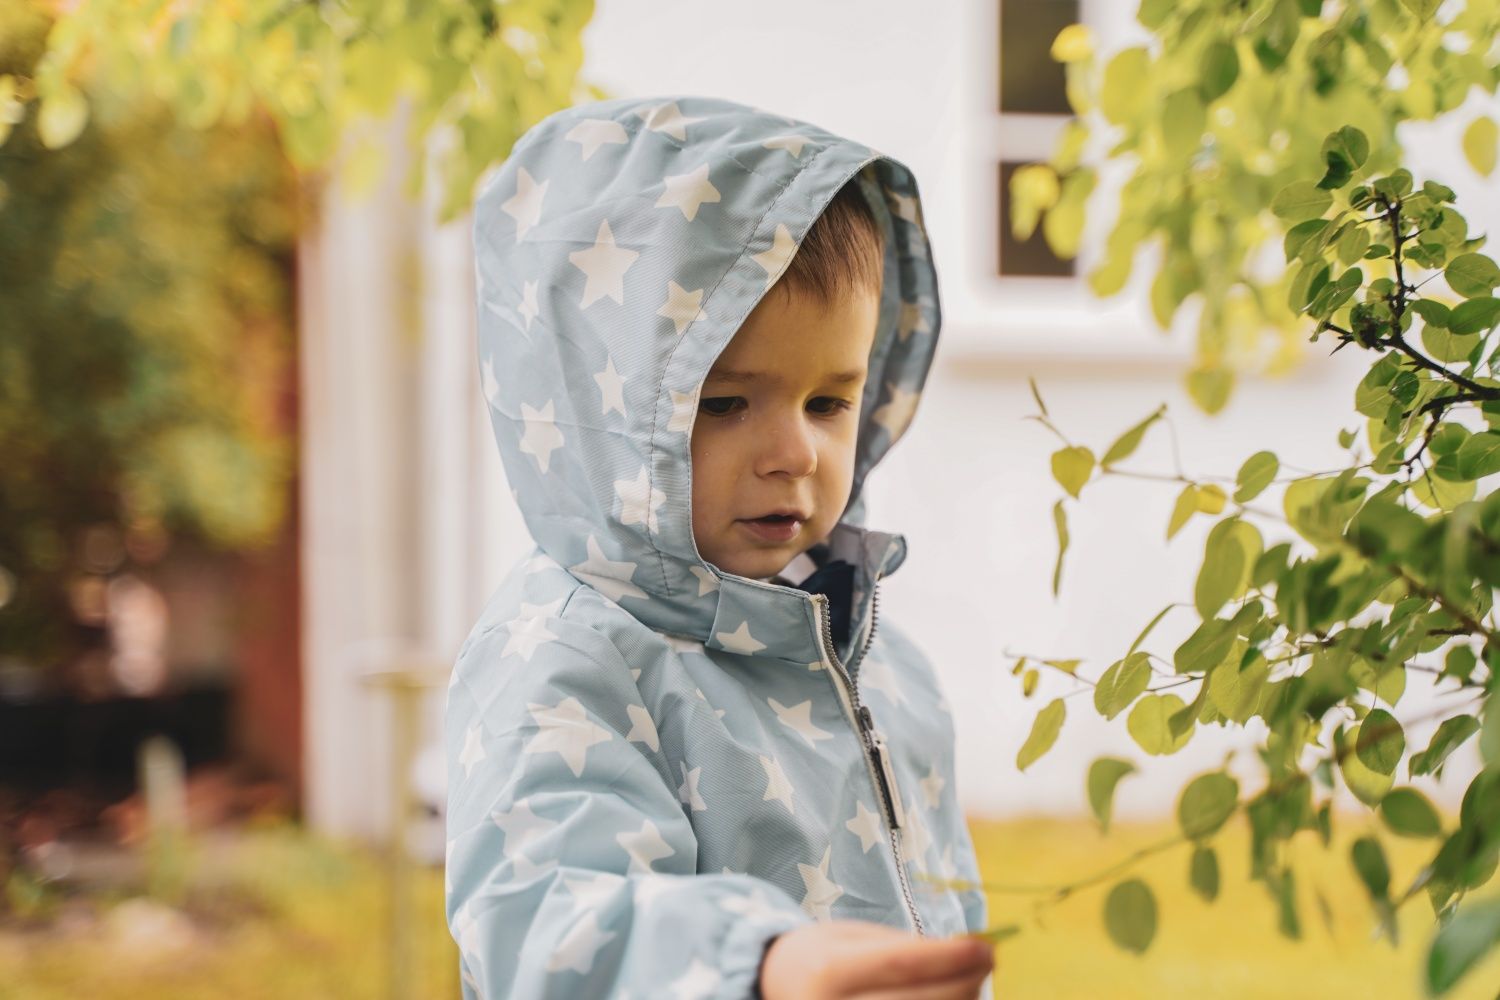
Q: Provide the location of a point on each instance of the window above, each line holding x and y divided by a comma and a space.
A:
1029, 84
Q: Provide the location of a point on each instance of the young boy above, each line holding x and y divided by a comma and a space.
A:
682, 760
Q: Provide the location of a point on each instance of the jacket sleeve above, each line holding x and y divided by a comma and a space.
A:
572, 867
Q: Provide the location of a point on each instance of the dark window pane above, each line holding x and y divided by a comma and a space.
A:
1031, 257
1030, 81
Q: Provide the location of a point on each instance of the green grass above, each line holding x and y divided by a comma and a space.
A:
1229, 949
285, 914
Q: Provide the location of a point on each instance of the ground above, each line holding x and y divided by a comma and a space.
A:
274, 913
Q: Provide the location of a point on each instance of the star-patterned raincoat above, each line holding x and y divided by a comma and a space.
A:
654, 766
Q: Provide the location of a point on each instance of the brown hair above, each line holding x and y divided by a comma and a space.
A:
843, 253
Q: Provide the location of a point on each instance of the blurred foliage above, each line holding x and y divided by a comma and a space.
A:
145, 347
269, 911
1376, 573
475, 74
1226, 105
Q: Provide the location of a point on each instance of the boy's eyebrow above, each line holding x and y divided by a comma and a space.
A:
735, 377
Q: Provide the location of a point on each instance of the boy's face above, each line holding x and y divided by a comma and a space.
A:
776, 427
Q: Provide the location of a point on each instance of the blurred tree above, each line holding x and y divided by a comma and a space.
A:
476, 72
145, 341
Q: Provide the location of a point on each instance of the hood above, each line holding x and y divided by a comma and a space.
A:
617, 250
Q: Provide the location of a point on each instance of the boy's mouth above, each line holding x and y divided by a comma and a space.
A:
778, 527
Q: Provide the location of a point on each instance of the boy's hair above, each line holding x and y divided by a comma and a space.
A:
842, 253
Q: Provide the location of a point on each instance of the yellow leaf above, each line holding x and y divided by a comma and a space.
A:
1210, 498
1071, 467
1479, 144
1073, 44
63, 115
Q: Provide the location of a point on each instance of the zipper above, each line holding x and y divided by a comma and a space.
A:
876, 756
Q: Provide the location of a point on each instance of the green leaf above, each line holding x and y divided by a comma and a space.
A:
1071, 467
1460, 944
1154, 13
1209, 386
1236, 692
1060, 520
1127, 443
1148, 726
1130, 915
1255, 475
1368, 786
1422, 9
1408, 813
1037, 395
1369, 861
1043, 733
1229, 555
1349, 143
1206, 804
1479, 144
1218, 69
1475, 315
1125, 85
1472, 275
1381, 742
1203, 873
1303, 236
1300, 201
1186, 506
1183, 119
1121, 684
1104, 774
1479, 455
1206, 648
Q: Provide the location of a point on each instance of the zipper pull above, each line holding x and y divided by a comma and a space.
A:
865, 720
893, 796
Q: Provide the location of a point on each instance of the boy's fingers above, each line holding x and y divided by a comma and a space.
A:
959, 988
915, 962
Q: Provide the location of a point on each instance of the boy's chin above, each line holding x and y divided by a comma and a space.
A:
760, 562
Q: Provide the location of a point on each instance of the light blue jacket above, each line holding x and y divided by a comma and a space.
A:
655, 767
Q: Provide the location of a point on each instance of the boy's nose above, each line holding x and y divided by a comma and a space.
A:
789, 448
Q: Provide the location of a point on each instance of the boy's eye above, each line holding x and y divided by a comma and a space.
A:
719, 406
829, 405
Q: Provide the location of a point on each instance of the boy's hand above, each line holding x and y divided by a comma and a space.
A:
854, 958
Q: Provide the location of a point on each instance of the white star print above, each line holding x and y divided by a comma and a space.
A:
448, 865
605, 265
542, 436
775, 259
707, 582
740, 640
687, 792
638, 501
798, 718
697, 983
865, 825
876, 675
915, 839
815, 665
466, 930
565, 729
666, 118
906, 206
611, 388
821, 890
578, 947
645, 846
688, 192
932, 787
612, 579
522, 828
913, 318
488, 382
684, 411
682, 306
635, 673
530, 631
526, 205
778, 788
591, 133
528, 307
896, 413
473, 751
943, 706
642, 727
755, 906
590, 893
718, 712
683, 644
791, 143
946, 868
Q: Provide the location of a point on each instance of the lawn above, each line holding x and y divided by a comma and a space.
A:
280, 914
